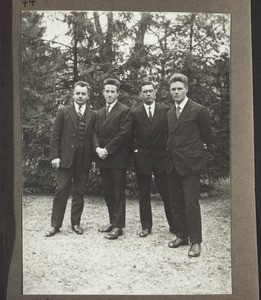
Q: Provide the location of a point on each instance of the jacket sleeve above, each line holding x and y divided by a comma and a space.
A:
95, 133
133, 132
205, 127
56, 134
123, 136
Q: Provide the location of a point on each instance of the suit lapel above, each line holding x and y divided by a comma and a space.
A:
112, 112
144, 117
172, 119
186, 110
156, 115
73, 116
102, 114
88, 117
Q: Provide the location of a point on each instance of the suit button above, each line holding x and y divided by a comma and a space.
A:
74, 134
72, 146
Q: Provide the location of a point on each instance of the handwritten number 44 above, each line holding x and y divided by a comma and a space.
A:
25, 2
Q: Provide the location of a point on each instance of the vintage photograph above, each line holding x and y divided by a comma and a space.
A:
125, 153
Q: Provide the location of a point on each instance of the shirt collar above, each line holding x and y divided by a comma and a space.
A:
83, 107
76, 105
151, 105
182, 104
111, 104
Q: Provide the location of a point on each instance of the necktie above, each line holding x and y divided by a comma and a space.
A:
178, 112
80, 111
107, 110
150, 114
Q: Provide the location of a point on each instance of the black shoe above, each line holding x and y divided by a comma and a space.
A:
114, 234
178, 242
52, 232
77, 229
194, 250
106, 228
145, 232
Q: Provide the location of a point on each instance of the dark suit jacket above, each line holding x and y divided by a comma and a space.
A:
150, 139
113, 133
64, 137
186, 138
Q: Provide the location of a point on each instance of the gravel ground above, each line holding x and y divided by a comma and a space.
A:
90, 264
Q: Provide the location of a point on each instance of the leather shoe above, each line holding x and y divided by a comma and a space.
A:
77, 229
52, 232
114, 234
145, 232
194, 250
178, 242
106, 228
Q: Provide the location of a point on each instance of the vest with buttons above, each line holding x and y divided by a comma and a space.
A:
80, 131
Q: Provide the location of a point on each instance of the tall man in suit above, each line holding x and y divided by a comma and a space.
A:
111, 143
71, 155
149, 148
189, 133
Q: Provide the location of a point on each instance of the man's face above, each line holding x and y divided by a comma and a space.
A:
80, 94
110, 93
148, 94
178, 91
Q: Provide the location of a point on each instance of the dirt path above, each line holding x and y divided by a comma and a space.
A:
90, 264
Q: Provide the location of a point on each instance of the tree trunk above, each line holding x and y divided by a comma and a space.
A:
75, 55
191, 34
109, 36
135, 60
143, 26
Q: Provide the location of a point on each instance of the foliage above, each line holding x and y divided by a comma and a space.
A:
129, 46
221, 188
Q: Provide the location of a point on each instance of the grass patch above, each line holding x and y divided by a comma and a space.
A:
221, 187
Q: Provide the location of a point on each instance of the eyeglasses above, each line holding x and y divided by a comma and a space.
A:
147, 91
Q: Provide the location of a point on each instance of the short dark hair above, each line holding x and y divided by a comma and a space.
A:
146, 82
81, 84
112, 81
179, 77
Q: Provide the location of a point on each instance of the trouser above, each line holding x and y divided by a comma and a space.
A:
144, 185
114, 184
184, 193
76, 176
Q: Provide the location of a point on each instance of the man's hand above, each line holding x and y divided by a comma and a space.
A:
102, 152
56, 163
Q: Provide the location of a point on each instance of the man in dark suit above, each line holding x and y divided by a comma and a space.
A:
111, 143
149, 148
189, 134
71, 155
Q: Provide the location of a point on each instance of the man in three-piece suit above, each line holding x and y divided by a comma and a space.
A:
111, 143
71, 155
189, 133
149, 148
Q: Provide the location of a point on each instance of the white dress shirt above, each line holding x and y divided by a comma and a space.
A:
111, 105
83, 107
152, 108
182, 104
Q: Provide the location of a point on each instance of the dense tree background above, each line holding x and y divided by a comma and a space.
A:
91, 46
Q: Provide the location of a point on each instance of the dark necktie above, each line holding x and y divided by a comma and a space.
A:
150, 114
80, 111
178, 112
